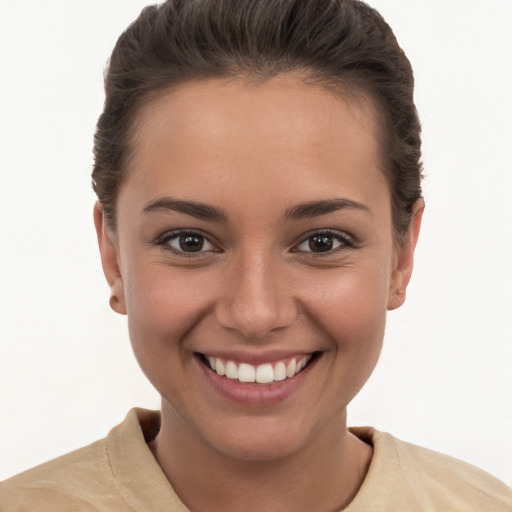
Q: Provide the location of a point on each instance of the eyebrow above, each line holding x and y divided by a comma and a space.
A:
194, 209
207, 212
323, 207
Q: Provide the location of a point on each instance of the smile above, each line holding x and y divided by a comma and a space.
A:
261, 374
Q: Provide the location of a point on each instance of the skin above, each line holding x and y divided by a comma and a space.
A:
256, 289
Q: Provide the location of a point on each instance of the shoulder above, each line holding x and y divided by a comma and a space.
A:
428, 480
68, 482
456, 481
118, 473
85, 479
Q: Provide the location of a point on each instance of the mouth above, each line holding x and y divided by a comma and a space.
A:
266, 373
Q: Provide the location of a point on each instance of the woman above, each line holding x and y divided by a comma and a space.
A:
258, 175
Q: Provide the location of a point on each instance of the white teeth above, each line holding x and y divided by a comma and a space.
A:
231, 370
302, 362
263, 374
290, 369
219, 367
280, 371
246, 373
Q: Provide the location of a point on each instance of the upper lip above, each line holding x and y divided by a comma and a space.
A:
255, 358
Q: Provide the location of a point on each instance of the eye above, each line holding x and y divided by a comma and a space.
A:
188, 242
324, 242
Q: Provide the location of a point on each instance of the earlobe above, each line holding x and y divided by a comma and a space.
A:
404, 261
109, 261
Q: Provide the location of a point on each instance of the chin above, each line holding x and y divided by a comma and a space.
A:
259, 444
270, 438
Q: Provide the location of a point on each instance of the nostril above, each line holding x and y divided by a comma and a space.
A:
255, 319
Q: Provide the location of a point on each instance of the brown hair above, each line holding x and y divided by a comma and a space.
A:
343, 44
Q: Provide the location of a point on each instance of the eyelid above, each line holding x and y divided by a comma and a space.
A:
163, 240
347, 241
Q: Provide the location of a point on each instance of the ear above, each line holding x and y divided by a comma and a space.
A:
404, 259
109, 261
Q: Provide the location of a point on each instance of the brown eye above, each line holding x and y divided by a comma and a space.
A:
190, 243
325, 242
187, 242
321, 243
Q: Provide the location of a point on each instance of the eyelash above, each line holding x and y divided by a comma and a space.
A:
345, 241
164, 240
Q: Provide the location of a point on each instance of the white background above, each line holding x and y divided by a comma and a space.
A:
67, 374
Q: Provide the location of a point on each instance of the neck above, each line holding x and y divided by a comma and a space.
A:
325, 475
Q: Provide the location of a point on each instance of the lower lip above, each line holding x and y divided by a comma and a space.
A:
256, 394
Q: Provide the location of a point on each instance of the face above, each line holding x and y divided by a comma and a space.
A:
254, 239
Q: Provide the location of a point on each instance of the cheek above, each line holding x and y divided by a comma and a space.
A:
354, 316
350, 308
351, 305
162, 307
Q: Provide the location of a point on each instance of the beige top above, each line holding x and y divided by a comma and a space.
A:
119, 473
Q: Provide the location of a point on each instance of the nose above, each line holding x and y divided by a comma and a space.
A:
258, 298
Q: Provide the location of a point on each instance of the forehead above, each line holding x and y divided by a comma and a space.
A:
239, 132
